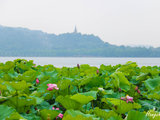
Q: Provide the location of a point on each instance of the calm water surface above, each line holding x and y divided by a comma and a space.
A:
73, 61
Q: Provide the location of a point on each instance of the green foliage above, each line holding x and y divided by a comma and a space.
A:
152, 84
15, 116
104, 114
68, 103
120, 81
136, 115
121, 106
48, 114
83, 94
5, 111
82, 98
78, 114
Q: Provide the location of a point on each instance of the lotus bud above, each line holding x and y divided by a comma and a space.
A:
97, 71
101, 89
136, 88
138, 91
78, 66
37, 81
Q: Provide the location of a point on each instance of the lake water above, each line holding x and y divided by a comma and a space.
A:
73, 61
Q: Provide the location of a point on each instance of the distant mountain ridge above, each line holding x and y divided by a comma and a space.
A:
25, 42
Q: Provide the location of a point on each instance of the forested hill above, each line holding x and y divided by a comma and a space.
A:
25, 42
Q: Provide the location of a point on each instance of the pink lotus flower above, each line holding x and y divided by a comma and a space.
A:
37, 81
127, 98
57, 108
123, 98
52, 86
53, 108
60, 115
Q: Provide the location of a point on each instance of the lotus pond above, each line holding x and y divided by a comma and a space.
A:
83, 92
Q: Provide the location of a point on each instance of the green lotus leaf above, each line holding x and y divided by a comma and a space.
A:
95, 81
152, 84
121, 106
104, 114
78, 117
84, 81
115, 118
44, 105
39, 100
21, 103
52, 73
29, 76
31, 116
136, 115
18, 86
142, 77
7, 66
151, 70
114, 95
76, 114
5, 111
128, 69
90, 93
3, 86
120, 81
154, 95
48, 114
13, 74
82, 98
15, 116
63, 84
68, 103
85, 97
24, 64
147, 104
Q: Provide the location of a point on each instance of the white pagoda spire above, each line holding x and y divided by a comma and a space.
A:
75, 29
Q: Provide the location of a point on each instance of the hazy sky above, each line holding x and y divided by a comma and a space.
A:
120, 22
